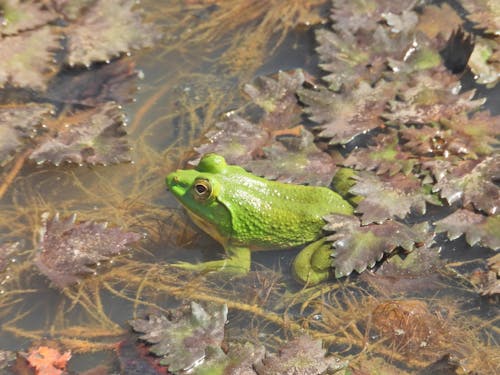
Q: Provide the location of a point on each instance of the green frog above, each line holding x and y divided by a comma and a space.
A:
246, 213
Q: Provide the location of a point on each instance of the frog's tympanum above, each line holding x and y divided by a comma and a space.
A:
247, 213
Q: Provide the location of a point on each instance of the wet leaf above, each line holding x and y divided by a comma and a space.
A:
485, 61
439, 21
134, 360
385, 156
294, 158
115, 82
478, 229
357, 247
27, 58
16, 16
388, 197
484, 13
418, 271
7, 250
301, 356
182, 341
471, 182
491, 284
430, 96
107, 29
67, 250
93, 136
341, 117
72, 9
19, 121
48, 361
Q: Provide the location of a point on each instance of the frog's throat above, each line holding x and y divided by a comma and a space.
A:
210, 229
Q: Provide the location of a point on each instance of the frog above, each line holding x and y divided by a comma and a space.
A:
245, 213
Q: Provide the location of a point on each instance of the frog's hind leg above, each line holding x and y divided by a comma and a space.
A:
312, 265
237, 261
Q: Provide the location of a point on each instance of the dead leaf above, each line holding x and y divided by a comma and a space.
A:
107, 29
478, 229
48, 361
484, 13
67, 250
92, 136
485, 61
27, 59
16, 16
357, 247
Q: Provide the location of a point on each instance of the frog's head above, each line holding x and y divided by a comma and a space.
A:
199, 190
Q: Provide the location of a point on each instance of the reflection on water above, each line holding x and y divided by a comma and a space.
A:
191, 78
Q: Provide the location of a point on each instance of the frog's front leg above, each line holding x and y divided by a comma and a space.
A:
312, 265
237, 261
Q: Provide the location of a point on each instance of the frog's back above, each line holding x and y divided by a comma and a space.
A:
269, 214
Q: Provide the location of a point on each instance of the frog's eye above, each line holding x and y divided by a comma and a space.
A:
202, 189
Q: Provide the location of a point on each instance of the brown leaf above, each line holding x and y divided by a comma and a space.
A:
484, 13
48, 361
67, 250
107, 29
93, 136
27, 59
478, 229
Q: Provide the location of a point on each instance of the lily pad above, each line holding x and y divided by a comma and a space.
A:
16, 16
27, 58
19, 121
67, 250
300, 356
107, 29
357, 247
478, 228
471, 182
388, 197
341, 117
385, 156
182, 341
93, 136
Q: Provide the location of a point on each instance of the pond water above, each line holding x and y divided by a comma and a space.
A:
193, 76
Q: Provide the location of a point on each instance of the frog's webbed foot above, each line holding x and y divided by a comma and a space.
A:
312, 265
237, 261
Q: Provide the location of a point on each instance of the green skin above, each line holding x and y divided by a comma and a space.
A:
247, 213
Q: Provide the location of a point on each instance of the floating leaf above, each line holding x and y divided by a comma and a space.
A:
6, 358
72, 9
7, 250
341, 117
115, 82
107, 29
27, 58
182, 341
48, 361
18, 121
352, 16
16, 16
135, 360
386, 156
300, 356
485, 61
388, 197
485, 13
418, 271
471, 181
357, 247
295, 158
478, 229
67, 250
430, 96
278, 99
439, 21
93, 136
